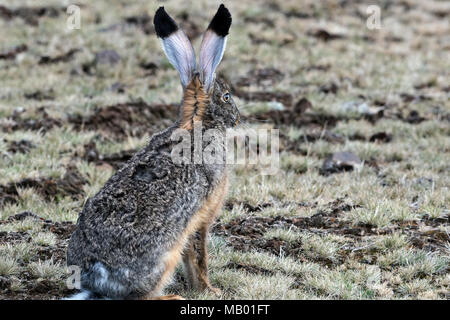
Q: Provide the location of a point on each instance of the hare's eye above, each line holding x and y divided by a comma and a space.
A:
226, 97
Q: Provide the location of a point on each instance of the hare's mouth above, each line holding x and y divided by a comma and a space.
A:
237, 120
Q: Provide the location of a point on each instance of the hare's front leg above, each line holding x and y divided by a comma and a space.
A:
195, 260
203, 261
191, 268
195, 256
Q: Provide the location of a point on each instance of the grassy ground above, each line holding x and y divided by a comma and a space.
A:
71, 113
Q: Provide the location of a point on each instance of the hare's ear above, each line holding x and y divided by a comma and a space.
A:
213, 45
176, 45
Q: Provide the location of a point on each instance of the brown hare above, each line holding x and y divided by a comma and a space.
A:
155, 212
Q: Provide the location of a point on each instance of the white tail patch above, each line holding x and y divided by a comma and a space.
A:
83, 295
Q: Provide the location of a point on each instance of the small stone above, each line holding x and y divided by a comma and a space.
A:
23, 215
110, 57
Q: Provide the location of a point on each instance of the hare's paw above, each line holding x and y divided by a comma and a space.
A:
208, 287
216, 291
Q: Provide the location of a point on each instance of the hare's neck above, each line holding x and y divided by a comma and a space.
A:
193, 105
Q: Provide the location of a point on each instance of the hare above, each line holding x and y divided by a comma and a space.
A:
155, 212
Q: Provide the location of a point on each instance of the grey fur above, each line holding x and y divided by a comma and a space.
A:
123, 232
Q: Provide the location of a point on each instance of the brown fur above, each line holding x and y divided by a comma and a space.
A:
195, 101
197, 269
190, 266
200, 221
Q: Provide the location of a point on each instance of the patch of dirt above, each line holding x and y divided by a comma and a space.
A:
246, 233
260, 77
414, 117
265, 96
115, 160
13, 52
329, 88
317, 67
324, 218
42, 122
64, 57
24, 215
134, 119
30, 15
63, 230
425, 234
408, 98
13, 237
307, 11
32, 287
229, 205
40, 95
71, 184
297, 116
281, 40
150, 67
324, 35
436, 222
248, 268
108, 58
143, 22
314, 133
263, 20
294, 146
382, 137
20, 146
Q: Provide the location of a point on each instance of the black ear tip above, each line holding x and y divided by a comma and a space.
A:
164, 24
223, 11
221, 22
160, 14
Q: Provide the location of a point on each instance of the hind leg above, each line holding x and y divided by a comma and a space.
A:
170, 261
